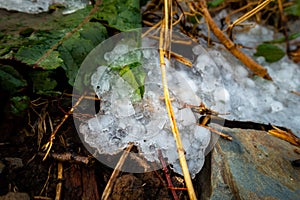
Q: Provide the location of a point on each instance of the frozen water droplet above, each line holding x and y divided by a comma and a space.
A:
123, 108
197, 50
120, 49
202, 62
250, 83
221, 94
136, 130
101, 122
186, 117
107, 56
276, 106
261, 60
138, 116
202, 135
241, 72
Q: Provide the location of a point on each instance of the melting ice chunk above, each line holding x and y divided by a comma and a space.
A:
221, 94
100, 123
276, 106
123, 108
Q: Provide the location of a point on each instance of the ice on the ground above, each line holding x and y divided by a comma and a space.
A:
146, 122
38, 6
255, 35
256, 99
216, 78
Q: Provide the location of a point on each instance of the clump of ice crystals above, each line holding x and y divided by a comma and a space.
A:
256, 99
221, 82
145, 122
38, 6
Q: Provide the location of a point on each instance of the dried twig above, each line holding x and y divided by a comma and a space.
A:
279, 132
91, 97
247, 15
285, 135
69, 157
59, 178
47, 180
223, 135
47, 147
284, 25
250, 63
165, 169
164, 49
41, 198
296, 93
110, 184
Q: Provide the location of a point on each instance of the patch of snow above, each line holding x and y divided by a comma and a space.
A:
256, 99
39, 6
216, 78
146, 122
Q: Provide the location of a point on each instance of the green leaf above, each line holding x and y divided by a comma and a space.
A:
19, 104
282, 39
73, 53
30, 56
270, 52
39, 47
10, 79
95, 32
42, 81
214, 3
120, 14
135, 76
74, 50
294, 9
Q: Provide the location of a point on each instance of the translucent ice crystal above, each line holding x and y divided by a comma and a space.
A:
38, 6
145, 122
216, 79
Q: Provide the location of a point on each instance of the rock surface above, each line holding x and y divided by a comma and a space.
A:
254, 165
15, 196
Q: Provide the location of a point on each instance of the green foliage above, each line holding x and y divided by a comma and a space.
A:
282, 39
30, 56
294, 9
42, 81
120, 14
129, 65
93, 31
135, 76
74, 50
10, 79
214, 3
13, 83
270, 52
46, 46
19, 104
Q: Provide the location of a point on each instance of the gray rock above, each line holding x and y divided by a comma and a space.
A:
15, 196
254, 165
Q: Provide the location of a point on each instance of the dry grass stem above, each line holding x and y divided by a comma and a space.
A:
250, 63
110, 184
60, 179
164, 52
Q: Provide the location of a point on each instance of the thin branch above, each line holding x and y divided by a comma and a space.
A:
59, 178
248, 15
250, 63
47, 147
116, 172
164, 48
165, 169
